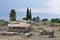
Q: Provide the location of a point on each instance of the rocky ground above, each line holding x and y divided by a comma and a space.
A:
33, 37
36, 36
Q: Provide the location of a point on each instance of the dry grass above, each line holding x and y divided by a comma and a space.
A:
57, 28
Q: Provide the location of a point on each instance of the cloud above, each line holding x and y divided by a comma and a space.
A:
40, 10
20, 9
52, 7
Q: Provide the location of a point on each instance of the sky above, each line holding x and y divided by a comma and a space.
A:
42, 8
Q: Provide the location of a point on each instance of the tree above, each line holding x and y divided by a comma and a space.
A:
2, 22
33, 18
36, 19
27, 15
30, 17
12, 15
44, 20
56, 20
24, 18
6, 22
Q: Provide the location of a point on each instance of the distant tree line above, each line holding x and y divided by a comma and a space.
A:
55, 20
